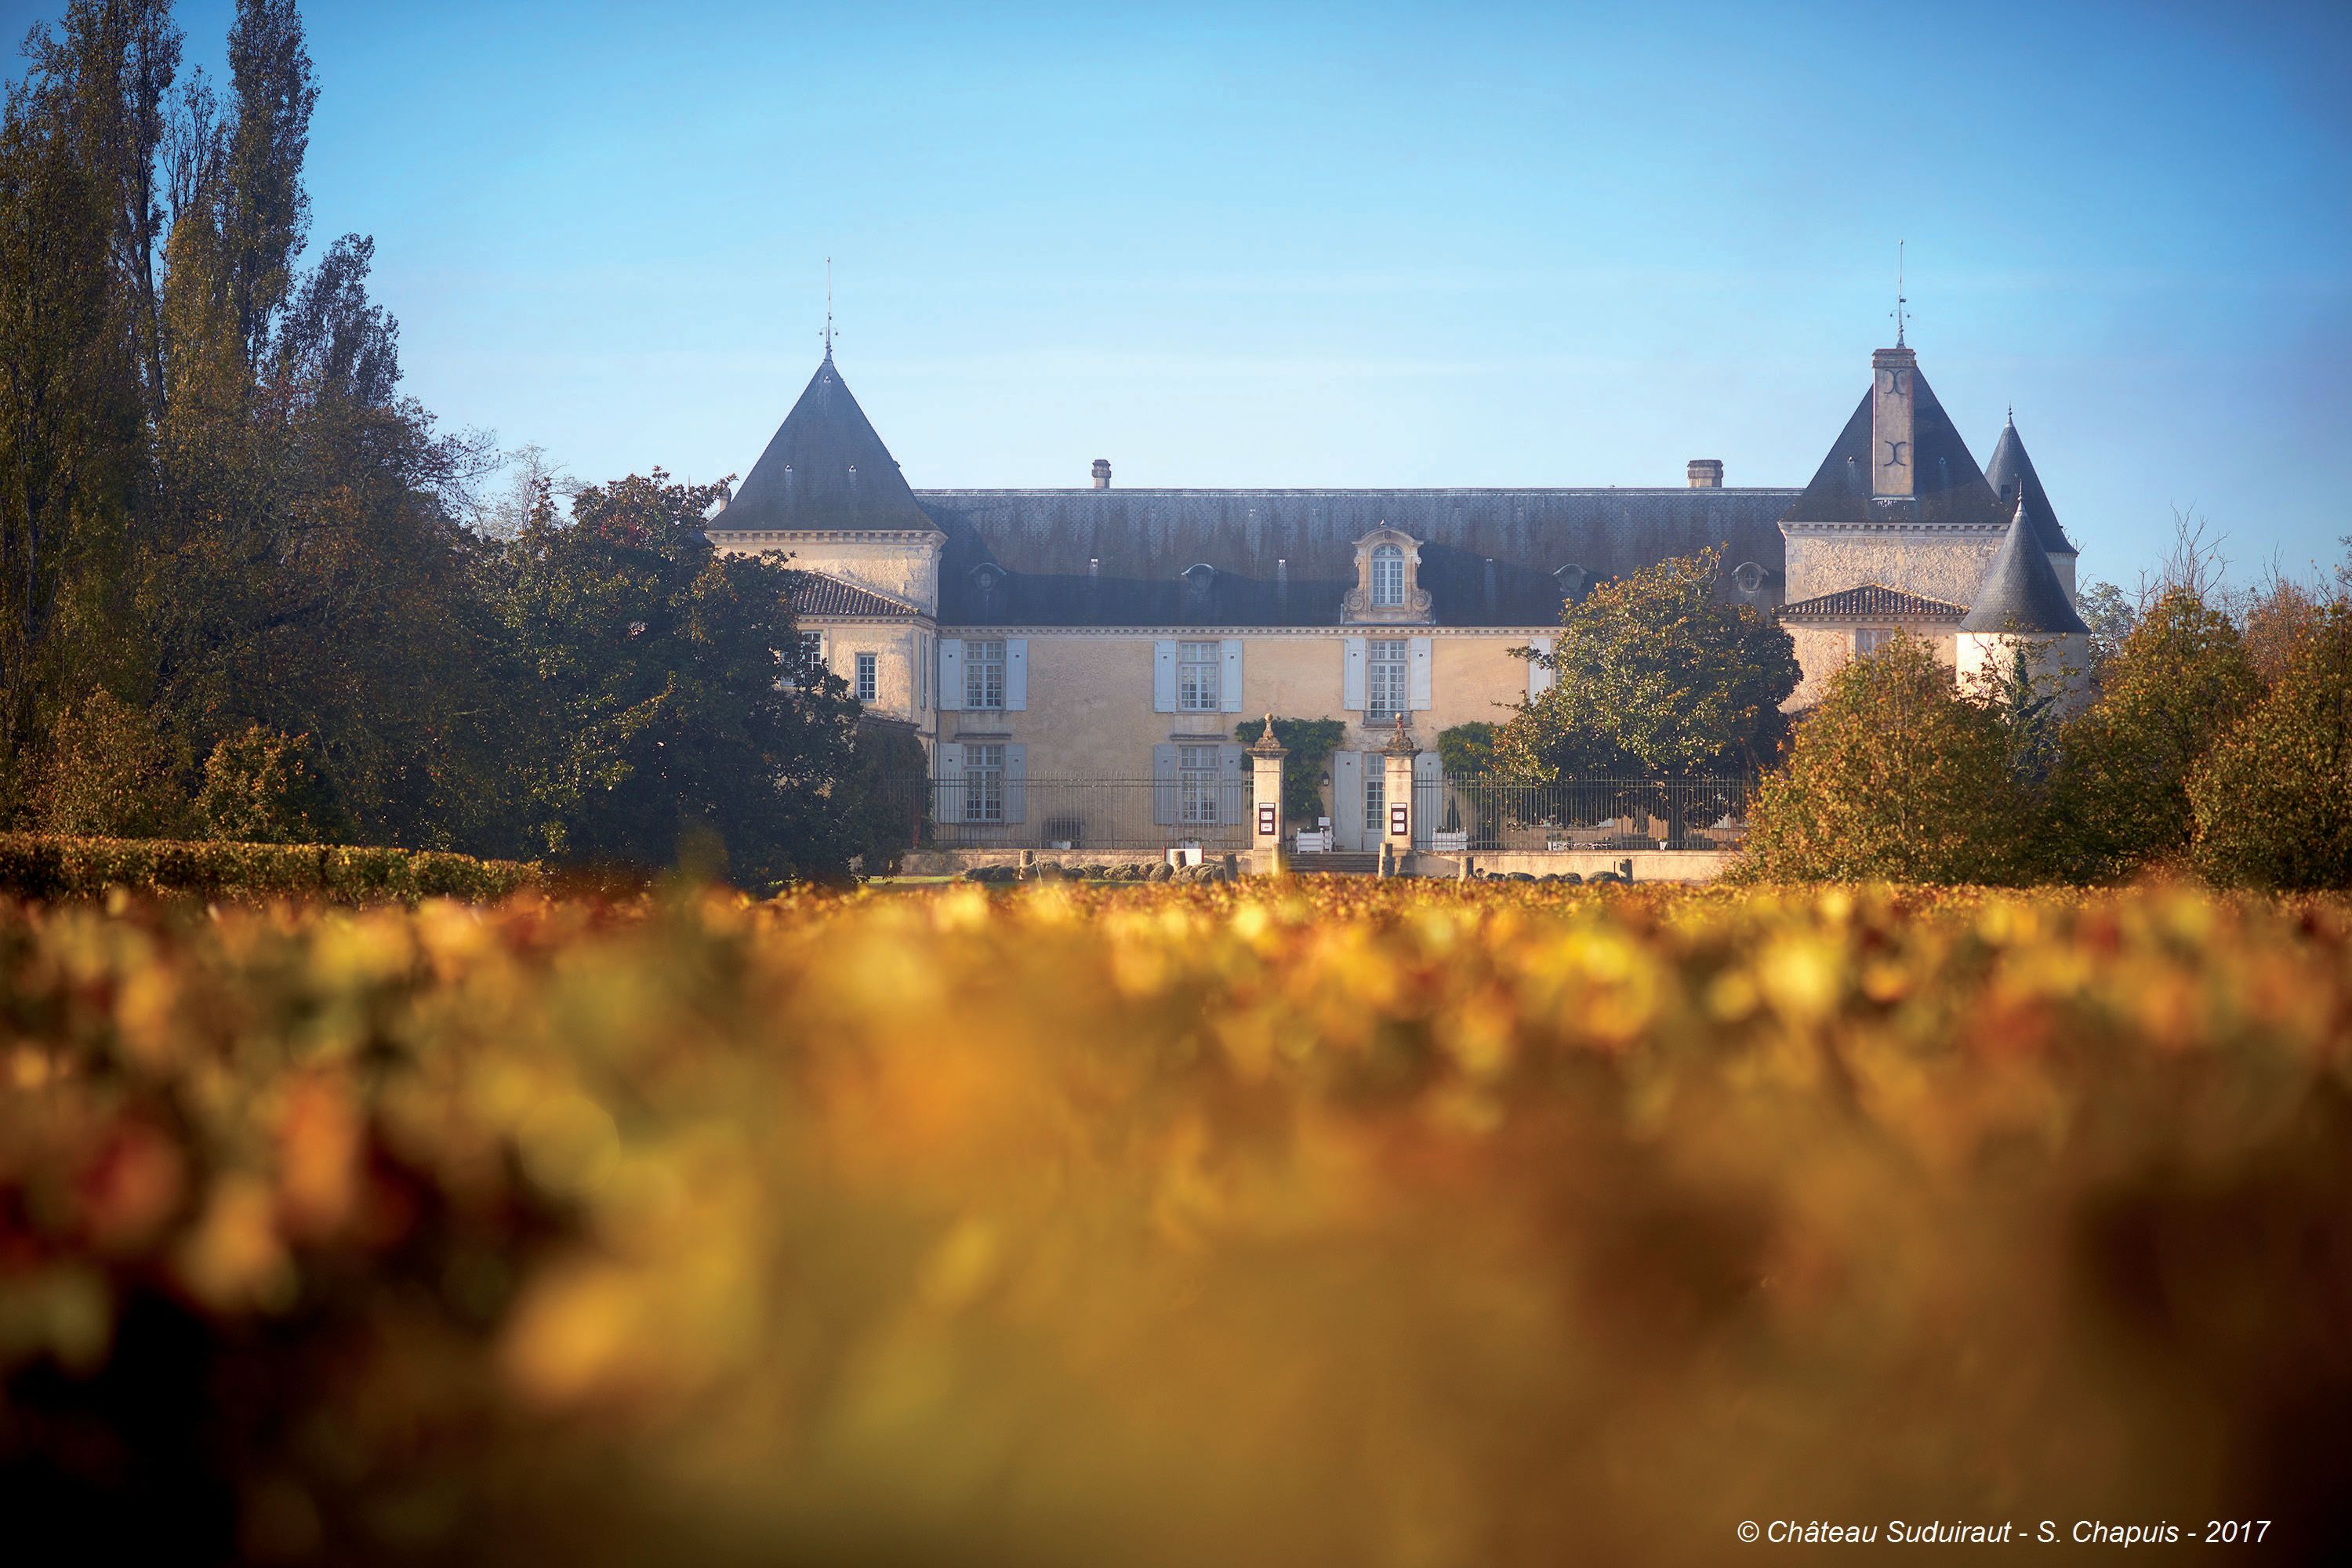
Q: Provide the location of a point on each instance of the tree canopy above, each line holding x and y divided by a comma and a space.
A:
1654, 675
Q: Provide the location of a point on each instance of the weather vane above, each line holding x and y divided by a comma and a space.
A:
1900, 301
828, 307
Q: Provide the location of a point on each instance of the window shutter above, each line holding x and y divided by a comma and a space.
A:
1229, 677
1232, 785
1163, 677
950, 675
1016, 674
1538, 678
1417, 673
1348, 799
1163, 785
1352, 680
1016, 784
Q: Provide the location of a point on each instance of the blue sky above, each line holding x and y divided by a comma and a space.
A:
1373, 244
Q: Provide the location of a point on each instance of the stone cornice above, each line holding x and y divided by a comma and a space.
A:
1203, 633
827, 536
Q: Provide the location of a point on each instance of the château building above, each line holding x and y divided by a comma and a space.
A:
1106, 633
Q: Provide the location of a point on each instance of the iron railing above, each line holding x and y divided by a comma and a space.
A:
1451, 814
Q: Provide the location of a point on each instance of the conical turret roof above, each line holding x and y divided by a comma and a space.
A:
825, 470
2021, 592
2010, 474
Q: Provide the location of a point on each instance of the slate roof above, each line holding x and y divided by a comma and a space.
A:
1019, 557
1949, 487
2010, 473
1873, 602
824, 469
2021, 592
814, 594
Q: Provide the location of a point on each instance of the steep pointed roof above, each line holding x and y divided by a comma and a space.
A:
2021, 592
1949, 487
2010, 474
825, 470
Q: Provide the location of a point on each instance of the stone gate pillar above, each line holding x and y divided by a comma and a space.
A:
1265, 802
1396, 794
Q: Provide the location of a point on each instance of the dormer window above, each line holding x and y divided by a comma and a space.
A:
1387, 589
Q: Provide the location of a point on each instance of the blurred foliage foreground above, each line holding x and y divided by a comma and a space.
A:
1374, 1226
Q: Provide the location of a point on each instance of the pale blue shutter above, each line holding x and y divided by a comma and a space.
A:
1418, 675
1016, 784
950, 675
1233, 785
1163, 785
1229, 678
1538, 678
1163, 677
1351, 676
1348, 798
1016, 674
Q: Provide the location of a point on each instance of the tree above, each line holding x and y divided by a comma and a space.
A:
2110, 614
1894, 775
2178, 680
258, 788
679, 706
1655, 675
114, 774
2273, 799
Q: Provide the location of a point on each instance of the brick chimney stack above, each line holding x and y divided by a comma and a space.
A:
1894, 382
1102, 473
1706, 473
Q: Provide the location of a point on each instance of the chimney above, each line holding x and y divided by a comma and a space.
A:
1102, 473
1893, 382
1706, 473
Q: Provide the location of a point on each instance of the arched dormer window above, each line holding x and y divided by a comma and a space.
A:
1387, 591
1572, 580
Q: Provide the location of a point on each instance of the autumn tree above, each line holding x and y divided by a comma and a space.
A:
1895, 775
2273, 800
2177, 680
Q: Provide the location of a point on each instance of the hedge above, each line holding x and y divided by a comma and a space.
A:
64, 866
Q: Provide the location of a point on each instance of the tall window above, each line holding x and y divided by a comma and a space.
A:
1196, 784
1376, 795
1384, 678
983, 674
792, 668
869, 677
1870, 639
1387, 577
983, 783
1197, 664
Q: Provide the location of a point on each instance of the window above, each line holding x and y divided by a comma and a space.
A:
792, 671
983, 783
983, 674
1384, 678
1196, 677
869, 677
1387, 577
1196, 784
1870, 639
1376, 795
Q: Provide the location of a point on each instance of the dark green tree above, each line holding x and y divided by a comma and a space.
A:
679, 708
2273, 800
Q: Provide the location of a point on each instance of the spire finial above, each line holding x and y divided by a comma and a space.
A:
828, 308
1900, 300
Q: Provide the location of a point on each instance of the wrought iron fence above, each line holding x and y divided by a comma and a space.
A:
1451, 814
1484, 813
992, 812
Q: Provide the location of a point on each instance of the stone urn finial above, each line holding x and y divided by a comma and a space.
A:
1268, 746
1401, 744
